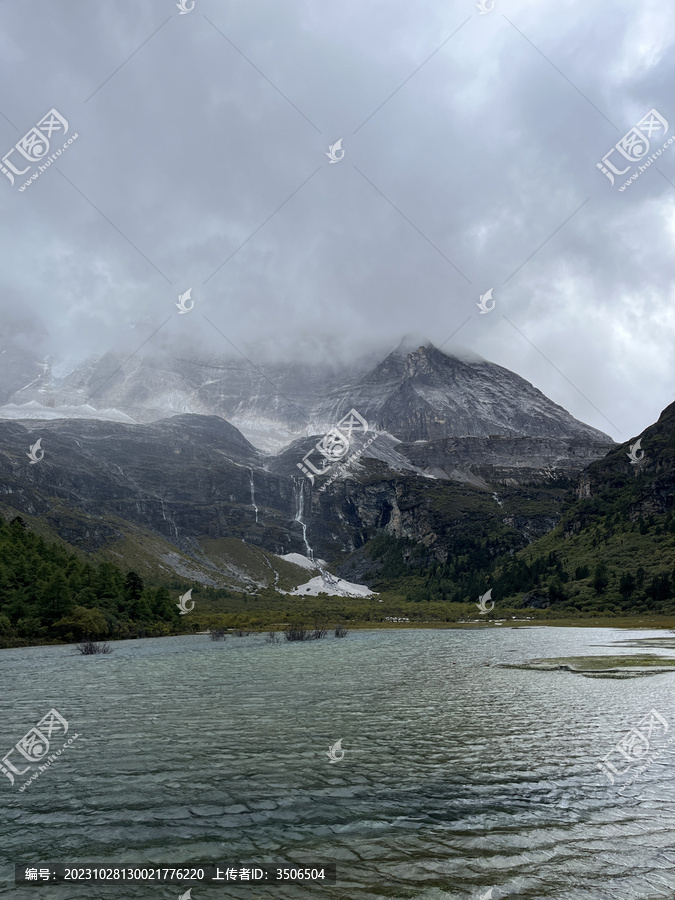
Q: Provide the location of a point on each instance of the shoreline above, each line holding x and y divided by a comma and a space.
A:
657, 623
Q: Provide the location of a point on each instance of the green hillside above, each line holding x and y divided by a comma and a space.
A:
612, 553
614, 548
48, 592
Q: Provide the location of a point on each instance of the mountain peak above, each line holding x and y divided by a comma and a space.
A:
411, 342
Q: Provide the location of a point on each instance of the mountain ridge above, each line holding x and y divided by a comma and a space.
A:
413, 394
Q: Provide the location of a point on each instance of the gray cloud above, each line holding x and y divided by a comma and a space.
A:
188, 156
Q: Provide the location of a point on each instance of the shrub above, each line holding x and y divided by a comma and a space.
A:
296, 632
89, 647
340, 630
556, 592
320, 631
81, 623
30, 627
217, 634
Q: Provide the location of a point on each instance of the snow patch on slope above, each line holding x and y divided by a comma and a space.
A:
337, 588
35, 410
299, 560
265, 435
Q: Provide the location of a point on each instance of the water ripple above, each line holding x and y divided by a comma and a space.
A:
458, 776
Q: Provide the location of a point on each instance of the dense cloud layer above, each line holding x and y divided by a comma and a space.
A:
470, 148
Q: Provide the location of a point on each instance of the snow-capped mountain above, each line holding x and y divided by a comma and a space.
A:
193, 452
416, 393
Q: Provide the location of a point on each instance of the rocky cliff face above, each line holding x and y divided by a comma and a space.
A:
643, 488
499, 460
184, 476
428, 395
192, 479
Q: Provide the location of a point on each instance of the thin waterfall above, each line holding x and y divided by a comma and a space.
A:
328, 579
298, 518
253, 497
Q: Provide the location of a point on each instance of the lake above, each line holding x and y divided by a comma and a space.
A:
457, 776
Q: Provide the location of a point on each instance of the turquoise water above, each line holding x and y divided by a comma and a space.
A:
458, 776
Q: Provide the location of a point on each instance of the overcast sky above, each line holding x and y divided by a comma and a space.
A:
470, 148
